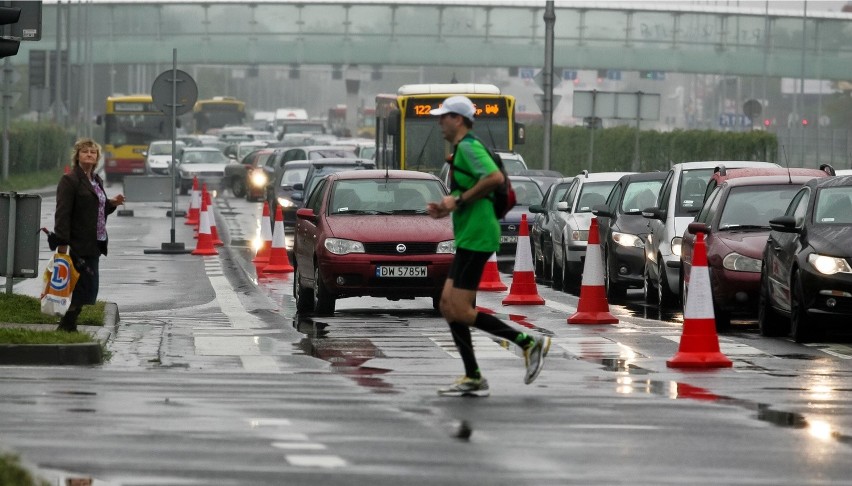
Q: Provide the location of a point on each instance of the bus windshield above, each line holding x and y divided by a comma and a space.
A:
136, 128
426, 149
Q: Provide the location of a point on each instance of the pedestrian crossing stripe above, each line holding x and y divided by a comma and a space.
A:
483, 344
596, 347
730, 348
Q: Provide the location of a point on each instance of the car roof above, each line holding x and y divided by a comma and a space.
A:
601, 176
712, 164
644, 176
203, 148
771, 179
340, 161
766, 171
380, 174
297, 163
836, 181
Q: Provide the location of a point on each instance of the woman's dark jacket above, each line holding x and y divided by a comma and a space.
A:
76, 219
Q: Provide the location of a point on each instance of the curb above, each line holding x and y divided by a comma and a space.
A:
81, 354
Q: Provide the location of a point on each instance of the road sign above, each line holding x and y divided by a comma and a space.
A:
752, 108
539, 79
569, 74
526, 73
185, 96
539, 100
734, 120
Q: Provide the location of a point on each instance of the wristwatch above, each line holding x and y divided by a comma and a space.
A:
459, 202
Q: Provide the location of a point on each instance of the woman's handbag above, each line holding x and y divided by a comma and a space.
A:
60, 277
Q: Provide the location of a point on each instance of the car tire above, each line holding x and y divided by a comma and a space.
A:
613, 290
323, 300
238, 187
648, 290
684, 292
771, 324
801, 329
665, 297
570, 281
304, 296
723, 319
555, 273
436, 302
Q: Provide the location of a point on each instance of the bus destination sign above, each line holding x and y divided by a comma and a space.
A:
486, 107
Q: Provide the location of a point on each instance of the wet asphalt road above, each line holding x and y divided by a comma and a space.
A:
214, 379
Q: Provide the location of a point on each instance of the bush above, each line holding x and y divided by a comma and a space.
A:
35, 147
614, 147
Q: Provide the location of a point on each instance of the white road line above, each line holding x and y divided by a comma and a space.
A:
836, 350
596, 347
307, 446
319, 461
729, 348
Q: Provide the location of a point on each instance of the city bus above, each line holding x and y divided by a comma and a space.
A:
130, 124
366, 123
218, 112
408, 137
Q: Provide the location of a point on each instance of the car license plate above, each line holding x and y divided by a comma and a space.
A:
400, 271
508, 239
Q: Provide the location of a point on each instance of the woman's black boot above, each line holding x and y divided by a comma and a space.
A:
68, 323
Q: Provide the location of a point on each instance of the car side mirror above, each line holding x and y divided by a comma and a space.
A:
306, 213
784, 224
562, 206
654, 213
696, 227
537, 208
602, 211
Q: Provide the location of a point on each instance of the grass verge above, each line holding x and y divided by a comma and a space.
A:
32, 336
31, 180
23, 309
13, 474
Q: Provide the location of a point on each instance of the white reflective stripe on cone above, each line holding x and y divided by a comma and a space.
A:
265, 228
204, 223
278, 236
593, 268
699, 297
523, 257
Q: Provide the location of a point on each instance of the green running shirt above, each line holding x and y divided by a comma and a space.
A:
475, 225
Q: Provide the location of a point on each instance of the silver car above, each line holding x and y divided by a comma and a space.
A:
205, 163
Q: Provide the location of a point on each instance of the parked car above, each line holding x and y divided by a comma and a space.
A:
570, 234
735, 223
543, 224
527, 192
512, 162
544, 178
206, 163
806, 278
623, 230
678, 203
367, 233
158, 156
239, 179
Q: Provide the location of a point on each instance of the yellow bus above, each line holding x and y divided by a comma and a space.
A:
130, 124
218, 112
407, 137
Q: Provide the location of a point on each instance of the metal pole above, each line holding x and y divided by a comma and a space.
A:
7, 105
635, 166
547, 114
57, 87
174, 139
763, 100
802, 82
592, 125
10, 251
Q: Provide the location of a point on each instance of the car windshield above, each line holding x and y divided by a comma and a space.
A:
691, 192
324, 170
527, 193
512, 165
753, 206
640, 195
294, 176
384, 196
834, 205
204, 157
163, 148
593, 194
330, 153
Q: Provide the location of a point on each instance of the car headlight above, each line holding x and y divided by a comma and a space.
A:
741, 263
285, 203
626, 239
259, 178
580, 235
828, 265
676, 241
448, 246
339, 246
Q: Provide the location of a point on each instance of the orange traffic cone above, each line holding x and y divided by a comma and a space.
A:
203, 197
192, 216
524, 290
214, 234
278, 260
699, 343
204, 246
490, 280
262, 256
593, 307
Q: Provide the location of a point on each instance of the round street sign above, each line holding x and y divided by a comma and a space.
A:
186, 96
752, 108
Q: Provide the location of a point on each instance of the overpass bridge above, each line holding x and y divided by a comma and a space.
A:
588, 35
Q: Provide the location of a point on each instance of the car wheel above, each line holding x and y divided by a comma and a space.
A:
665, 297
323, 300
304, 297
436, 302
555, 273
801, 330
238, 187
613, 290
548, 265
539, 264
648, 287
771, 324
684, 292
570, 282
723, 319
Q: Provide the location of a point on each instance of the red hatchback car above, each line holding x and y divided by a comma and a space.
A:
367, 233
735, 221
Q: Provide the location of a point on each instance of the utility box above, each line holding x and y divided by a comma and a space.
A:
20, 216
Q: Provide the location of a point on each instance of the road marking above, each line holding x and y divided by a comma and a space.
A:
729, 347
308, 446
485, 346
321, 461
836, 350
596, 347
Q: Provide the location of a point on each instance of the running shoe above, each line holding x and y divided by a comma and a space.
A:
534, 357
466, 387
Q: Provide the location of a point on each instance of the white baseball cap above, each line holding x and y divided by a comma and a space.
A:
460, 105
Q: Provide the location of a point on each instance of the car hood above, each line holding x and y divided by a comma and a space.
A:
634, 224
749, 243
390, 228
514, 215
159, 159
203, 168
831, 239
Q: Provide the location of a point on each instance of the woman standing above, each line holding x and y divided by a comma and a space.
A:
80, 222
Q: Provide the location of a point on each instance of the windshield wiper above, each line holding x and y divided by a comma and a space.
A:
358, 211
743, 227
408, 211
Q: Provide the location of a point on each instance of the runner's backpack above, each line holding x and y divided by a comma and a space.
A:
503, 197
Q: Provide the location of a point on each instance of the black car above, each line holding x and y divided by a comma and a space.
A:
527, 192
282, 190
806, 277
623, 230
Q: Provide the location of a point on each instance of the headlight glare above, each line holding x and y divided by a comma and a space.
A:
828, 265
741, 263
259, 178
285, 203
339, 246
579, 235
448, 246
626, 239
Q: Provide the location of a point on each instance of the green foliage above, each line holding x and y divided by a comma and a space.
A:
614, 148
37, 146
31, 180
13, 474
22, 309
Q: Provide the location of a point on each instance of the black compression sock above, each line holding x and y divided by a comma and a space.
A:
492, 325
464, 344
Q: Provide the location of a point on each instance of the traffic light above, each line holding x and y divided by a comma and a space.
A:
804, 122
8, 16
767, 122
